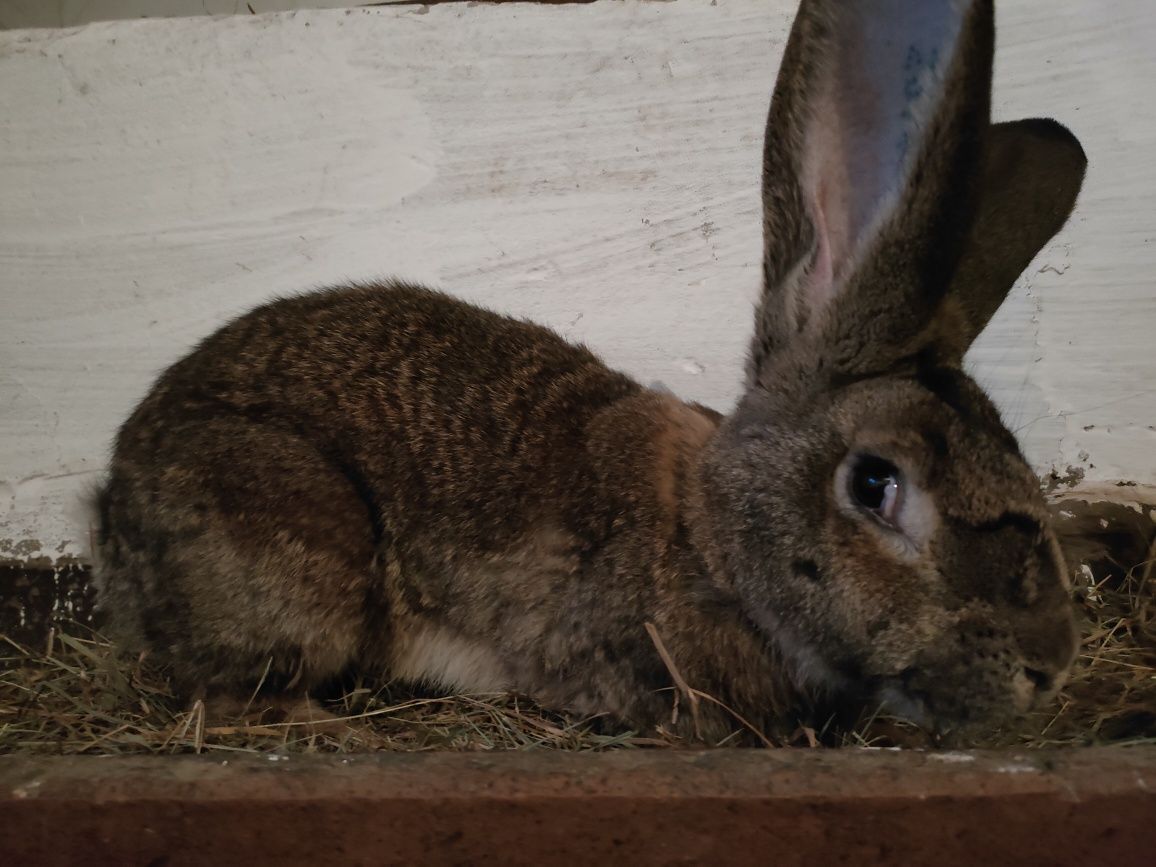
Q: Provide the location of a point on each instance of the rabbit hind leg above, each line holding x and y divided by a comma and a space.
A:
239, 555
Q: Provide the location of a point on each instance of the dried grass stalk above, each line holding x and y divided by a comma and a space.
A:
75, 695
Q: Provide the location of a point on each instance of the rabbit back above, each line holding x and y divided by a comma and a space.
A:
329, 464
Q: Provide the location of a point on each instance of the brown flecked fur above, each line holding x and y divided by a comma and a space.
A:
381, 477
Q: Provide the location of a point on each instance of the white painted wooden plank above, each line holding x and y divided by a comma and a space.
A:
592, 167
1071, 358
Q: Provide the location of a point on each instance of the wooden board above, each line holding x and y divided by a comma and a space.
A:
594, 167
639, 807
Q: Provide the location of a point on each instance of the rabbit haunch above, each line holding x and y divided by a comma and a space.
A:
385, 479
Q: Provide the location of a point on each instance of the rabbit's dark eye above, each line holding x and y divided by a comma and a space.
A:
875, 486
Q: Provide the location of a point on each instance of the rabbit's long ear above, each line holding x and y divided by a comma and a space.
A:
873, 144
1032, 173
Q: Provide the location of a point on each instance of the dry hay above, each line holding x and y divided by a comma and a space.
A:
75, 695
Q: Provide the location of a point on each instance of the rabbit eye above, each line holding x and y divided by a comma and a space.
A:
875, 487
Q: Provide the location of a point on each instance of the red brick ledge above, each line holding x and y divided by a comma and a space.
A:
1088, 806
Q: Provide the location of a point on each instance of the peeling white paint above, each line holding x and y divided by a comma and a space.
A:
27, 790
952, 758
1016, 769
592, 167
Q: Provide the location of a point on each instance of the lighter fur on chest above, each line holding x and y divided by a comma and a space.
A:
437, 656
523, 583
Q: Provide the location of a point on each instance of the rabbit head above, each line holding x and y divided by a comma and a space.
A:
865, 501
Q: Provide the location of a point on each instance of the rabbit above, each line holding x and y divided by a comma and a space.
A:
382, 478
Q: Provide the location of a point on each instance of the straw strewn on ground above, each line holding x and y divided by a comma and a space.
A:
75, 695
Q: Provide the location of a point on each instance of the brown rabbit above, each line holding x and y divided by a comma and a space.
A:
385, 478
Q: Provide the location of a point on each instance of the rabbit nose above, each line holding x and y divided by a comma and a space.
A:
1041, 680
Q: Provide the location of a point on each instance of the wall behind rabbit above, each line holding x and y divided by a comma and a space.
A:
594, 167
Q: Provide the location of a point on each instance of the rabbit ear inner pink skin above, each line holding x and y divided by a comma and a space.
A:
381, 478
873, 140
896, 219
